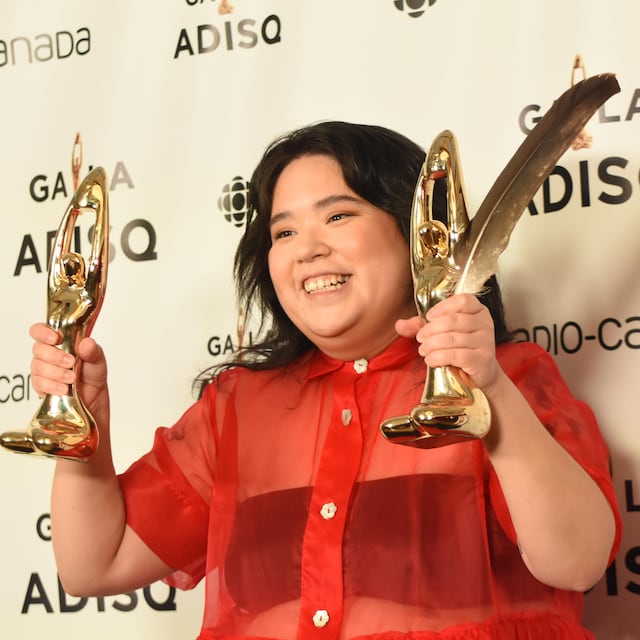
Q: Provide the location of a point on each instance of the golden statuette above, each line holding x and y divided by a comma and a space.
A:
449, 409
62, 427
450, 254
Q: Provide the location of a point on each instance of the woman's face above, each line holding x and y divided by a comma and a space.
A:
339, 265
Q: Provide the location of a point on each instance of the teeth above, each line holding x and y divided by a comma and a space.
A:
324, 284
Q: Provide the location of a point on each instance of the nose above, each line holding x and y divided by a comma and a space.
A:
311, 246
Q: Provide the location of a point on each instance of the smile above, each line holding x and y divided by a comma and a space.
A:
324, 283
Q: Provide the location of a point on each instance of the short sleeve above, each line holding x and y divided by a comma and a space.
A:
167, 491
571, 422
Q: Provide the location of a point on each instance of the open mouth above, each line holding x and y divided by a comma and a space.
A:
324, 283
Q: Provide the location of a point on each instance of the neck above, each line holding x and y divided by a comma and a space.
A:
348, 351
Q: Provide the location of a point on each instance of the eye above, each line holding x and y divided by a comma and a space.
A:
284, 233
338, 216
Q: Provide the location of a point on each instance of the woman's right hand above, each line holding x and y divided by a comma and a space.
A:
96, 553
53, 369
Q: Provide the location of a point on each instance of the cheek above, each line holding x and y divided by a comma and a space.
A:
398, 260
280, 276
274, 267
399, 270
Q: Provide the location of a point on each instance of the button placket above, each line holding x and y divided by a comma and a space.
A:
322, 576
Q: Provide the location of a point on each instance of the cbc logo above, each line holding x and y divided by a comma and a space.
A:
233, 201
413, 7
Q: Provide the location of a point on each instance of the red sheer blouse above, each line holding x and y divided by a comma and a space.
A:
278, 489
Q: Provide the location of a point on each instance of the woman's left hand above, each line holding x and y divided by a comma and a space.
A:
459, 333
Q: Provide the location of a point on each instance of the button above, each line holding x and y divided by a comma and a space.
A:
346, 417
360, 365
320, 618
328, 510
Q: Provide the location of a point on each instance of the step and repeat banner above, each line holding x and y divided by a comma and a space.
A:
177, 100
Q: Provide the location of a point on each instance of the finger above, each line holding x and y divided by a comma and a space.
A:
89, 350
92, 365
460, 303
42, 332
409, 327
52, 355
477, 365
477, 321
462, 324
49, 378
456, 340
53, 367
45, 386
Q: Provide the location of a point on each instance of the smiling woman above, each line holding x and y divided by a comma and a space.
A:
276, 486
322, 235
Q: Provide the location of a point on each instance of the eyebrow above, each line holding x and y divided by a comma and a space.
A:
320, 204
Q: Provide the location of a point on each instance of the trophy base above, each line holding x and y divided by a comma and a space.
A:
39, 442
61, 428
437, 425
18, 442
71, 444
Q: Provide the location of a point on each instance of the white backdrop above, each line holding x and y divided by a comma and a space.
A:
177, 101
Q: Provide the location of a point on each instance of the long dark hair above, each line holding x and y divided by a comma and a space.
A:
378, 164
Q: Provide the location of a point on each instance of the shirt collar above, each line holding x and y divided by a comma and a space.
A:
399, 351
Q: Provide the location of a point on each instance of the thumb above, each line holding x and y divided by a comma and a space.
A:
89, 350
409, 327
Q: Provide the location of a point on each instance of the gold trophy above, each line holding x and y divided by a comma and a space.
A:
450, 254
449, 409
62, 427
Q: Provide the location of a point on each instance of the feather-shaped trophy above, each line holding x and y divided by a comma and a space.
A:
450, 254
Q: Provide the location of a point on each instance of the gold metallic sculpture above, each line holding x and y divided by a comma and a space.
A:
450, 254
62, 427
449, 408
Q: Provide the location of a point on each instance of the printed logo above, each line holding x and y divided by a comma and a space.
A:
225, 7
232, 34
15, 387
44, 47
414, 8
137, 240
570, 337
583, 139
608, 180
44, 593
232, 202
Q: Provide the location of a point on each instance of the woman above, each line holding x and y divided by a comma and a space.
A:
277, 487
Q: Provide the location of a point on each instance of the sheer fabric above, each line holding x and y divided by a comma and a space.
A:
278, 489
